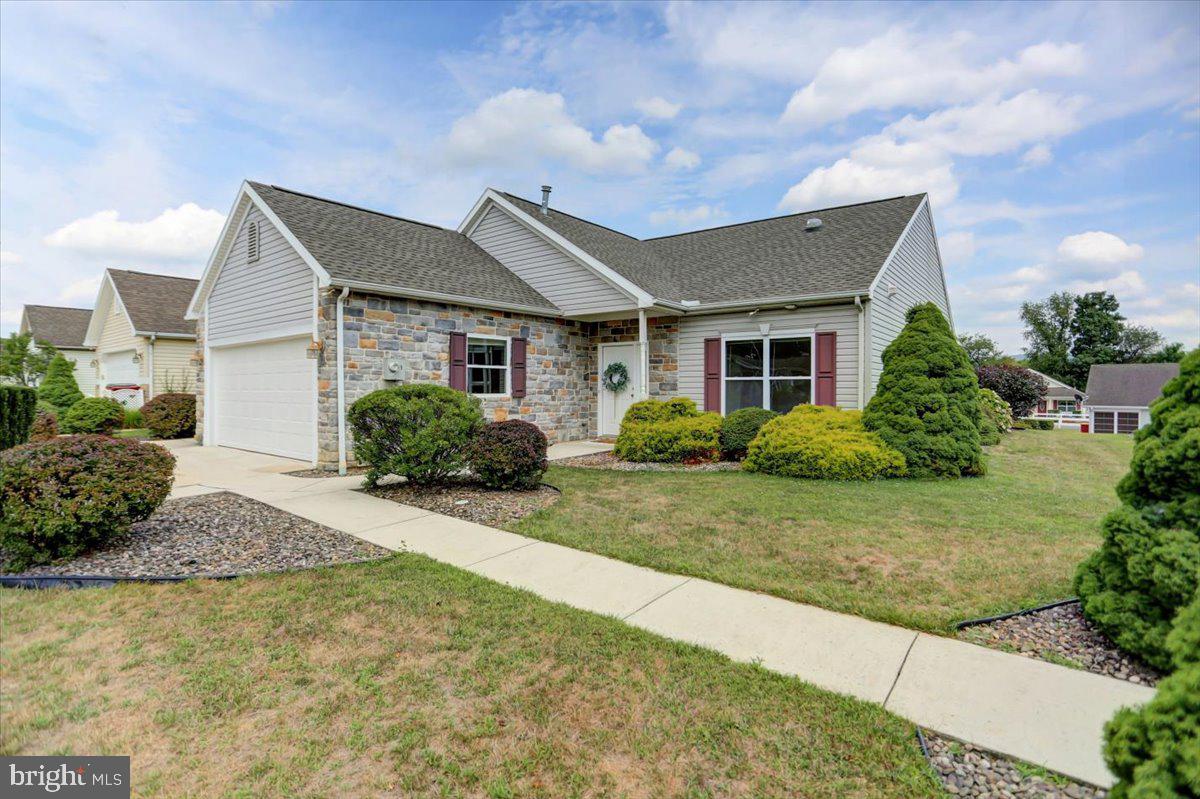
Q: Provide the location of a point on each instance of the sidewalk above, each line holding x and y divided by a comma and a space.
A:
1037, 711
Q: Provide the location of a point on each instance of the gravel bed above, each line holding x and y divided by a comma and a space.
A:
469, 500
220, 533
967, 770
1061, 635
606, 460
319, 473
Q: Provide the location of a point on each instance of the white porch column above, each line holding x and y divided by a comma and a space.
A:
643, 353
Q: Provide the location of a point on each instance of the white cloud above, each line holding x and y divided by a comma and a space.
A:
188, 231
658, 108
878, 167
10, 257
1098, 248
1128, 283
687, 217
82, 290
526, 124
957, 247
1037, 155
681, 159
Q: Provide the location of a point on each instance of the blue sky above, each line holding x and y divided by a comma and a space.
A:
1060, 144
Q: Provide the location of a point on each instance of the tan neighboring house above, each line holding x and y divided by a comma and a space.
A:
143, 343
65, 329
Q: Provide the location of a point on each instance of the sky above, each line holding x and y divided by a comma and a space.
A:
1059, 143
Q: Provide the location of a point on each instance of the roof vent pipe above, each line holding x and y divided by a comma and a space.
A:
812, 224
545, 200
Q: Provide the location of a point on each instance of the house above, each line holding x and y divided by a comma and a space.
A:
307, 304
1119, 394
65, 329
1060, 398
144, 345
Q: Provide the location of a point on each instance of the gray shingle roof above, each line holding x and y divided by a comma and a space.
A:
65, 328
1134, 385
357, 245
156, 303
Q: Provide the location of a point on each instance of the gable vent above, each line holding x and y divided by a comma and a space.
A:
252, 241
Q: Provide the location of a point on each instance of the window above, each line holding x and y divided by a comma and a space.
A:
1066, 406
252, 241
773, 372
487, 365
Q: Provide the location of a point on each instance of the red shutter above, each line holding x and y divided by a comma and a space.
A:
458, 361
518, 367
827, 369
712, 374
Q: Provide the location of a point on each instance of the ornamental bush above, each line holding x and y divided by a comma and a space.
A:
1021, 388
927, 402
45, 426
510, 454
94, 415
655, 410
62, 497
995, 418
822, 443
680, 439
58, 387
133, 419
17, 408
421, 432
1033, 424
170, 415
739, 429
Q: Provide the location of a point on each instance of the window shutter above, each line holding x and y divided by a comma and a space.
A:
458, 361
712, 374
518, 367
827, 369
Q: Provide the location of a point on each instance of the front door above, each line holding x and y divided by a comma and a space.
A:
613, 404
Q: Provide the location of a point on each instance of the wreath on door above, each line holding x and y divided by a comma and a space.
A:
616, 377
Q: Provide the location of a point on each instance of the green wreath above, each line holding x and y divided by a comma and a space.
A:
616, 377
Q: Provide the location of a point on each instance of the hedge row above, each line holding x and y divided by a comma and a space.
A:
18, 405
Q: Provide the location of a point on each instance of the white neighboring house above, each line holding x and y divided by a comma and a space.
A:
65, 329
1060, 398
1119, 395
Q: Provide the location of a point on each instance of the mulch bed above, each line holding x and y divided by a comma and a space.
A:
967, 770
1061, 634
220, 533
319, 473
466, 499
606, 460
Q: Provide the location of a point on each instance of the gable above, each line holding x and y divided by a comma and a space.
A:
116, 333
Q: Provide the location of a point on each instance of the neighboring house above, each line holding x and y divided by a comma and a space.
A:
1119, 395
65, 328
144, 345
527, 307
1060, 398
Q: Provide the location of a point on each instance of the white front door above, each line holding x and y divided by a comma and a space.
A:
613, 404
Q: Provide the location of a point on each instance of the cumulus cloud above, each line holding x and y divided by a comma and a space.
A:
687, 217
878, 167
1098, 248
658, 108
1037, 155
82, 290
526, 124
188, 231
681, 159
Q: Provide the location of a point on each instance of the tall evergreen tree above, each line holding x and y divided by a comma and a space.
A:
59, 387
1048, 333
1097, 328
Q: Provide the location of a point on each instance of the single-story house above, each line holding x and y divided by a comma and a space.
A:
307, 304
144, 344
65, 329
1060, 397
1119, 394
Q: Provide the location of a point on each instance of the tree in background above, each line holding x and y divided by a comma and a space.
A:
58, 387
1097, 328
981, 349
23, 362
1016, 385
1048, 333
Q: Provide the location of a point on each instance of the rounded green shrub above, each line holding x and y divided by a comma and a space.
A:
61, 497
45, 426
739, 429
421, 432
58, 387
170, 415
995, 417
681, 439
822, 443
510, 454
655, 410
1183, 642
927, 402
94, 415
18, 404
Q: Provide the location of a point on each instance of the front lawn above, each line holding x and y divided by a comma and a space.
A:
411, 678
921, 553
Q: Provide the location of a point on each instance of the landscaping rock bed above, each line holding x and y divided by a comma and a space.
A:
220, 533
1061, 635
606, 460
967, 770
469, 500
319, 473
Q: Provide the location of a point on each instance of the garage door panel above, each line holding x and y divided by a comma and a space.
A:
264, 397
1104, 421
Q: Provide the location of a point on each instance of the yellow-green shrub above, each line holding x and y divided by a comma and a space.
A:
823, 443
682, 439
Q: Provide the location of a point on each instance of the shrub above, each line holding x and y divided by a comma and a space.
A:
822, 443
1021, 388
58, 387
995, 418
61, 497
421, 432
1183, 642
510, 454
739, 429
1148, 564
654, 410
682, 439
45, 426
170, 415
17, 407
133, 419
1033, 424
94, 415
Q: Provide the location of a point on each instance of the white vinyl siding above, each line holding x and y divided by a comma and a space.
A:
85, 373
116, 336
840, 319
173, 367
270, 297
559, 278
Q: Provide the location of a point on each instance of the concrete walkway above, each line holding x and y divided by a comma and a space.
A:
1037, 711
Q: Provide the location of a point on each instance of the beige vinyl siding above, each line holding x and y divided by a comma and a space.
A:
173, 367
271, 297
916, 273
556, 276
85, 373
841, 319
117, 336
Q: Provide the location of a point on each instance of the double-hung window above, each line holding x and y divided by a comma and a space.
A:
772, 371
487, 365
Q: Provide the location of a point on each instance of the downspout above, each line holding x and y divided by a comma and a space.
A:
644, 353
150, 366
862, 352
341, 385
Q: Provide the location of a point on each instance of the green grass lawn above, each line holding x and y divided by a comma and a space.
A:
411, 678
133, 432
923, 554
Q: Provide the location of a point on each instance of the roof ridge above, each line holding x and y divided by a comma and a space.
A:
576, 218
782, 216
354, 207
149, 274
56, 307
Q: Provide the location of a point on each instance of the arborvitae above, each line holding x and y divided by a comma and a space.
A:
58, 387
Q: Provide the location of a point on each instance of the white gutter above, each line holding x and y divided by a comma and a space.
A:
453, 299
862, 353
150, 366
341, 385
691, 306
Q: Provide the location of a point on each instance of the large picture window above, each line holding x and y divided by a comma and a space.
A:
773, 372
487, 365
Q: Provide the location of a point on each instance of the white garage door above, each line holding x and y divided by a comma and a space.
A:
120, 368
263, 398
